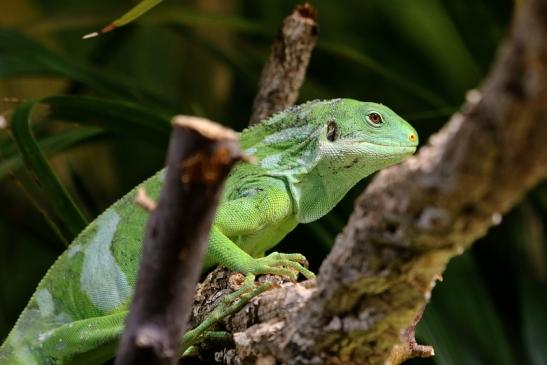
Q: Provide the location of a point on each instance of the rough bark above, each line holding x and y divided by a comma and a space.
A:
284, 72
411, 220
200, 156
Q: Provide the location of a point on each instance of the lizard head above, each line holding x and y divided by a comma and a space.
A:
336, 135
323, 148
365, 132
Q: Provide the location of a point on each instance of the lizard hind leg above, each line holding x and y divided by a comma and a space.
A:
230, 304
217, 337
94, 340
87, 341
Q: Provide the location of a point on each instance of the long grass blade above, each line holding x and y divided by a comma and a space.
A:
128, 17
49, 146
59, 198
21, 56
119, 117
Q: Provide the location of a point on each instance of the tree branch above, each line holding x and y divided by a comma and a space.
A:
201, 154
284, 72
412, 219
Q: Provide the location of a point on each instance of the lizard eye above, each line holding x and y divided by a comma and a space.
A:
375, 119
331, 130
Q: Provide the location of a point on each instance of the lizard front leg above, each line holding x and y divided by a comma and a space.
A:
227, 253
246, 216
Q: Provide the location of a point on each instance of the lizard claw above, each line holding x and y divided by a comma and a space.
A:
289, 265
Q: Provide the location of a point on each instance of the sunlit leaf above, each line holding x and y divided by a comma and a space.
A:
138, 10
120, 117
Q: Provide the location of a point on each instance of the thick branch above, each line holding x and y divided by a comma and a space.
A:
284, 72
201, 154
415, 217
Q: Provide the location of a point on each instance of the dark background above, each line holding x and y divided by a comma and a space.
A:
204, 57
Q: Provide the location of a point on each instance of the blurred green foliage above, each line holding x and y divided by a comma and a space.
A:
204, 57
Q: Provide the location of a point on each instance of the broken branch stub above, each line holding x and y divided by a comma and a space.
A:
201, 154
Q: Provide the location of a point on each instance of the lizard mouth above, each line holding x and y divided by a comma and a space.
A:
391, 150
401, 147
401, 150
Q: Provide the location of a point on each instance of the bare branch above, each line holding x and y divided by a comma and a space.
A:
284, 72
200, 156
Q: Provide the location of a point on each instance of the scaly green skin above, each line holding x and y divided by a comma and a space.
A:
308, 157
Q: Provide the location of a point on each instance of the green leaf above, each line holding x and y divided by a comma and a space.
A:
21, 56
137, 11
61, 201
140, 9
179, 16
233, 60
443, 49
176, 15
168, 14
403, 82
433, 330
321, 234
533, 296
120, 117
530, 247
461, 322
49, 146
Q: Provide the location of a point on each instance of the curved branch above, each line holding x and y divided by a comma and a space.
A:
413, 218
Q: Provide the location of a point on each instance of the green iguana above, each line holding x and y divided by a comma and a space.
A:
307, 158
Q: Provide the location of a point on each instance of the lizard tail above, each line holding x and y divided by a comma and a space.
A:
7, 355
15, 351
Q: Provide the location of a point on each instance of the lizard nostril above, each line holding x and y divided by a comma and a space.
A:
412, 137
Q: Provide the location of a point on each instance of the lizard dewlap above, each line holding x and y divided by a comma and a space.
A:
307, 158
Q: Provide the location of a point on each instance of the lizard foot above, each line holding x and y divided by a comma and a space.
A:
230, 304
283, 264
218, 337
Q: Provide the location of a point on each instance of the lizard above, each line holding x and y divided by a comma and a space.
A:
306, 157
